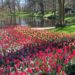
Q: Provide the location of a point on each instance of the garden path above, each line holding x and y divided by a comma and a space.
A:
43, 28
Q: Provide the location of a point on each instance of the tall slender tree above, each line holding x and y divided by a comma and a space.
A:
2, 3
41, 7
61, 12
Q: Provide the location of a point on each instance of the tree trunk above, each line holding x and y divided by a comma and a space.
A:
14, 11
61, 12
42, 7
2, 3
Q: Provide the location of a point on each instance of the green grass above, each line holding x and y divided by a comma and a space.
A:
66, 29
48, 14
34, 14
20, 15
23, 15
69, 28
70, 19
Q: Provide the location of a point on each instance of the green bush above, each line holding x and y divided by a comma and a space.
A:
70, 70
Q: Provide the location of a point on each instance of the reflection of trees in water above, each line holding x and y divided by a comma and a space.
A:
39, 22
35, 22
31, 21
42, 22
10, 20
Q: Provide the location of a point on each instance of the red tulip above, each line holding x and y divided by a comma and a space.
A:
59, 69
30, 70
23, 73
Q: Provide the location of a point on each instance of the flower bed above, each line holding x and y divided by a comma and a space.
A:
30, 52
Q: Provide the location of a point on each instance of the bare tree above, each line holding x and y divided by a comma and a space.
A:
2, 4
18, 5
41, 7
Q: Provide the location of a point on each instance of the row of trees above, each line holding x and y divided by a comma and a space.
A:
11, 6
54, 5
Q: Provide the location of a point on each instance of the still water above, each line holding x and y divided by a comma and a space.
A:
30, 21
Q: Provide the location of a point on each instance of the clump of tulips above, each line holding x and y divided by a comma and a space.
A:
24, 51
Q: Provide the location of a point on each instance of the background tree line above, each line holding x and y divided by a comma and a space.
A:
37, 6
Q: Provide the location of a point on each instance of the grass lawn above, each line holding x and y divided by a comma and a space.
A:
35, 14
67, 29
70, 19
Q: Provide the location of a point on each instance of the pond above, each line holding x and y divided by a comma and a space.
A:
30, 22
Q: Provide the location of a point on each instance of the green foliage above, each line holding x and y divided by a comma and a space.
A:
1, 62
70, 19
73, 47
70, 70
11, 63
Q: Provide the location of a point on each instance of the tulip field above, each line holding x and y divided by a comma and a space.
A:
24, 51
